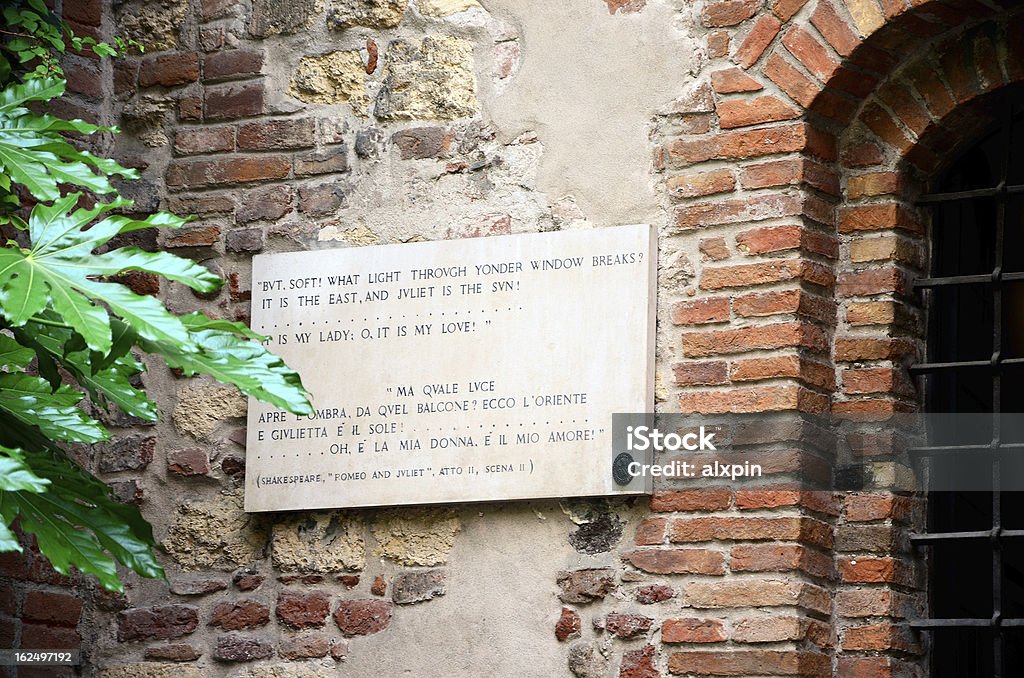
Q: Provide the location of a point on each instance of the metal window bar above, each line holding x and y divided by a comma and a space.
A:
1000, 193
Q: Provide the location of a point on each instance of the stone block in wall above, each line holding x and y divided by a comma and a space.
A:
201, 408
362, 617
417, 587
366, 13
215, 534
130, 453
428, 80
243, 614
151, 670
416, 537
154, 24
162, 622
276, 17
319, 543
332, 78
439, 8
303, 610
234, 648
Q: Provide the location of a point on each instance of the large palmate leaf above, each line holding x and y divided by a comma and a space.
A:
60, 271
34, 153
29, 401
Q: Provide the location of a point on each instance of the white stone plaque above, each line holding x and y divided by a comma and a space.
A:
451, 371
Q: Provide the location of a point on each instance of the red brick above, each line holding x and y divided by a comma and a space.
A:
750, 662
232, 63
692, 630
882, 124
42, 637
866, 15
809, 52
780, 558
869, 507
865, 154
807, 530
744, 400
759, 337
896, 95
168, 70
702, 183
744, 113
627, 625
718, 44
157, 623
774, 628
176, 652
88, 12
790, 367
888, 280
772, 173
204, 140
732, 80
568, 625
244, 614
873, 667
763, 273
677, 561
705, 214
190, 109
834, 29
193, 236
878, 217
362, 617
791, 80
880, 602
755, 143
708, 373
954, 63
757, 593
308, 646
654, 593
867, 569
874, 183
760, 36
818, 501
651, 531
728, 12
714, 249
84, 80
234, 101
701, 311
196, 173
705, 499
56, 609
879, 638
639, 663
277, 134
785, 9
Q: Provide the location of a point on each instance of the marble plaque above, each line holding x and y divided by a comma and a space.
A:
451, 371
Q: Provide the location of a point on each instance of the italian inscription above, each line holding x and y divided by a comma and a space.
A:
467, 370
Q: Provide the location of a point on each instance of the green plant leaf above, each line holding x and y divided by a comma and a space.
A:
198, 321
29, 400
16, 475
8, 540
13, 354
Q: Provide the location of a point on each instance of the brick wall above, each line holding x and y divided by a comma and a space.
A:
787, 171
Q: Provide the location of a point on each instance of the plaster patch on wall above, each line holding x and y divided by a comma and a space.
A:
310, 670
334, 78
201, 408
215, 534
151, 670
319, 543
416, 537
441, 8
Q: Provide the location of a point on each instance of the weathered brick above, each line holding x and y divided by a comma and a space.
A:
880, 638
701, 183
654, 593
265, 203
746, 112
760, 36
751, 528
692, 630
881, 122
677, 561
834, 29
362, 617
764, 399
866, 16
130, 453
231, 170
197, 587
887, 280
877, 217
627, 625
157, 623
868, 507
760, 337
243, 614
232, 63
417, 587
728, 12
175, 652
869, 602
234, 101
585, 585
705, 214
785, 9
851, 349
418, 143
46, 637
757, 593
704, 499
876, 380
650, 531
568, 625
791, 80
867, 538
57, 609
189, 461
204, 140
168, 70
714, 248
750, 662
234, 648
245, 240
874, 183
305, 646
707, 373
733, 80
303, 610
863, 570
701, 311
202, 205
639, 663
780, 558
268, 135
321, 199
818, 501
88, 12
871, 313
792, 367
809, 52
326, 161
193, 236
